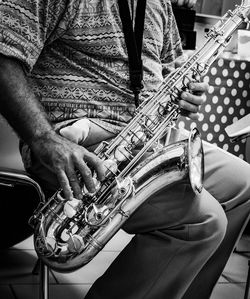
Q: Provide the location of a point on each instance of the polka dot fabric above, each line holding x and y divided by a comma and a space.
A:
227, 100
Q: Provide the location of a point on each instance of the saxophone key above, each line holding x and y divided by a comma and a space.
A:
51, 244
97, 184
138, 137
46, 246
122, 153
95, 214
122, 189
100, 212
71, 207
111, 167
75, 243
150, 122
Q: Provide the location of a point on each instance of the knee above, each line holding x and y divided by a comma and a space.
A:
235, 187
242, 182
212, 227
216, 225
226, 176
238, 173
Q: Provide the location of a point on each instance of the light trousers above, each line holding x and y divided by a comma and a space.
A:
178, 235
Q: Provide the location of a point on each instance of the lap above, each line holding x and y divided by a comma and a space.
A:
175, 208
226, 176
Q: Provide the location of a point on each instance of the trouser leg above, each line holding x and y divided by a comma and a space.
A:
227, 178
176, 233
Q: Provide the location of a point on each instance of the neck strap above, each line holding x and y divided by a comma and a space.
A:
133, 40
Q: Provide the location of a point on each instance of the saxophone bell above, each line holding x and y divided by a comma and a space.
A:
196, 161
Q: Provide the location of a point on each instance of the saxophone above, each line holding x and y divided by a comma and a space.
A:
69, 233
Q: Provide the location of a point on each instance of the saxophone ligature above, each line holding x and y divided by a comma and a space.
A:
69, 233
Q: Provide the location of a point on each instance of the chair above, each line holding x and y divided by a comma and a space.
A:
43, 271
17, 187
20, 195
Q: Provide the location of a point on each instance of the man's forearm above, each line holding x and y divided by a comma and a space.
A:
18, 103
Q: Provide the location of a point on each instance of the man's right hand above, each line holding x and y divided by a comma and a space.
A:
66, 159
27, 117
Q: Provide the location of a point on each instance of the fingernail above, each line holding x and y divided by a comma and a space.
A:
93, 190
79, 196
184, 95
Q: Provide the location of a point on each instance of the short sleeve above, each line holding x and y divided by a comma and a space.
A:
27, 26
172, 52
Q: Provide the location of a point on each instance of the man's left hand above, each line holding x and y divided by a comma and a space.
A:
191, 100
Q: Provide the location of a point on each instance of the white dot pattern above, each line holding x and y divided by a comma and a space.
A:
225, 72
223, 90
243, 66
232, 64
236, 74
206, 79
219, 109
212, 118
224, 119
220, 62
234, 92
215, 99
244, 93
228, 99
213, 71
218, 81
208, 108
229, 82
240, 84
238, 102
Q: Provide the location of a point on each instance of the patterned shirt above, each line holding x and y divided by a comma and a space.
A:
76, 58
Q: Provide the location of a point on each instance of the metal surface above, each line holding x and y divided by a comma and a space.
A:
44, 281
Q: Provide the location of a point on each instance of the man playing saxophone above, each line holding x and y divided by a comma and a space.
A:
64, 69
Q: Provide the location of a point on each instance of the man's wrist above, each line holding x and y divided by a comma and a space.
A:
42, 135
